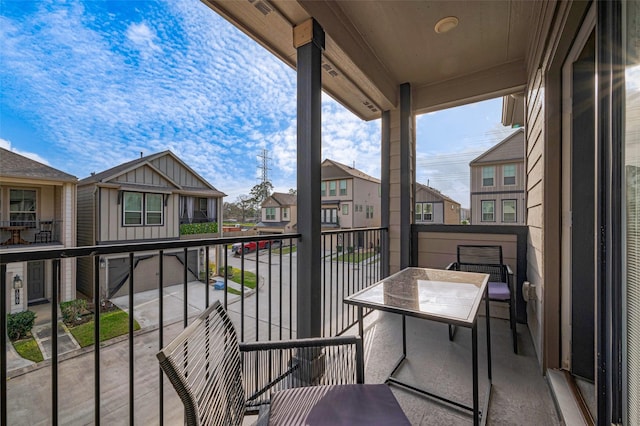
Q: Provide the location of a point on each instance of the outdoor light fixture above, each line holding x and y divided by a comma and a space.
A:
17, 282
103, 263
446, 24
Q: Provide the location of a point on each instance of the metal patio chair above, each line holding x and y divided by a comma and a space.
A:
488, 260
44, 234
219, 380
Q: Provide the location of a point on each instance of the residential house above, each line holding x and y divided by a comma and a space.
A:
433, 207
278, 214
37, 209
146, 199
350, 198
498, 183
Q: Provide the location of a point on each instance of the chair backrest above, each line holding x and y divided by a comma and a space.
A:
485, 259
203, 365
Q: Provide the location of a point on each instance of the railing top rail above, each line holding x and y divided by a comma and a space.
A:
345, 230
103, 249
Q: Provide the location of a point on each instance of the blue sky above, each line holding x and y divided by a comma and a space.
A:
87, 85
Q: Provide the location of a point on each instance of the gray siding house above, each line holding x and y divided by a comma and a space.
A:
498, 183
37, 208
146, 199
279, 214
433, 207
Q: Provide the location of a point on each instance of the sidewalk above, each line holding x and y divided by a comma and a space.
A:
145, 311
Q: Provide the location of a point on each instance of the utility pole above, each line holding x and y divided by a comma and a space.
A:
264, 166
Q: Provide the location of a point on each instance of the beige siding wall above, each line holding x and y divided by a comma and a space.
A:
110, 220
394, 186
476, 208
498, 192
439, 249
451, 213
365, 193
476, 178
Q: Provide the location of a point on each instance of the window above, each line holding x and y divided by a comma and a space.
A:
132, 208
133, 212
345, 209
270, 213
285, 213
487, 175
509, 174
369, 212
154, 209
22, 206
509, 211
332, 188
424, 212
329, 216
323, 189
488, 211
343, 187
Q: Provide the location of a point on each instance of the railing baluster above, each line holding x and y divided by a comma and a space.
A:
185, 277
96, 338
3, 347
131, 359
55, 279
161, 332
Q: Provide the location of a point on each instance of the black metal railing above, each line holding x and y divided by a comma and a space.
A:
264, 309
24, 232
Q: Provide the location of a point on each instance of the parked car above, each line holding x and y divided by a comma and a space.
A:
250, 246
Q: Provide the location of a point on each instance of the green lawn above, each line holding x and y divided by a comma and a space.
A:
112, 324
28, 349
285, 250
250, 280
355, 257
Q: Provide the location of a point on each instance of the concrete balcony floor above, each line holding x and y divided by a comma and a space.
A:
520, 394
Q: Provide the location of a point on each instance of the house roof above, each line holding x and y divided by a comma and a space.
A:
284, 199
348, 171
510, 148
111, 174
17, 166
435, 192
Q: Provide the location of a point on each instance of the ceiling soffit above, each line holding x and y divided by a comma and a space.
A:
372, 47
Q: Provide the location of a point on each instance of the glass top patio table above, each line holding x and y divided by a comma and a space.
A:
438, 295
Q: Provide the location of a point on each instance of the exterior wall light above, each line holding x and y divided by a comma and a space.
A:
103, 263
17, 282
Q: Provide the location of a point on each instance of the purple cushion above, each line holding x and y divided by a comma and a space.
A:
499, 291
337, 405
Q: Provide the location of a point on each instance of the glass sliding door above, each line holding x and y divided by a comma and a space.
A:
631, 35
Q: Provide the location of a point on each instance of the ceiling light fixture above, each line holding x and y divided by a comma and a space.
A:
446, 24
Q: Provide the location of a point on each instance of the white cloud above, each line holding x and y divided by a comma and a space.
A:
35, 157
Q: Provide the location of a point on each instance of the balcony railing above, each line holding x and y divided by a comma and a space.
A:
18, 232
352, 261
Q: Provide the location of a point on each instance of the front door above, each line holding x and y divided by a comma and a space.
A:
35, 281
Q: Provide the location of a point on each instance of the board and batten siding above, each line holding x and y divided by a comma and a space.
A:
178, 173
144, 176
111, 221
85, 236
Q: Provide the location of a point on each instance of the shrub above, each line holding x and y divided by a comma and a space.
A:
72, 310
198, 228
19, 325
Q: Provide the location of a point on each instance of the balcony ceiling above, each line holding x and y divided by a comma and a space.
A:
374, 46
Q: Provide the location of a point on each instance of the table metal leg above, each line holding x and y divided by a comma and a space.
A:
404, 335
474, 349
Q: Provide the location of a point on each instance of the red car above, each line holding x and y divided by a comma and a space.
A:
237, 248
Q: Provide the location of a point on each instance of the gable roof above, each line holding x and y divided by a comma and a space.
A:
285, 199
147, 161
348, 171
510, 148
435, 192
18, 166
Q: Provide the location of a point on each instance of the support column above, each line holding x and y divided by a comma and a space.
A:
308, 39
385, 173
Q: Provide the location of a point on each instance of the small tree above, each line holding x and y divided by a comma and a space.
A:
261, 192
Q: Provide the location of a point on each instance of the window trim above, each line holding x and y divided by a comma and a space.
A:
504, 175
268, 216
144, 211
332, 188
482, 219
24, 212
345, 209
423, 211
515, 210
342, 191
323, 189
493, 176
